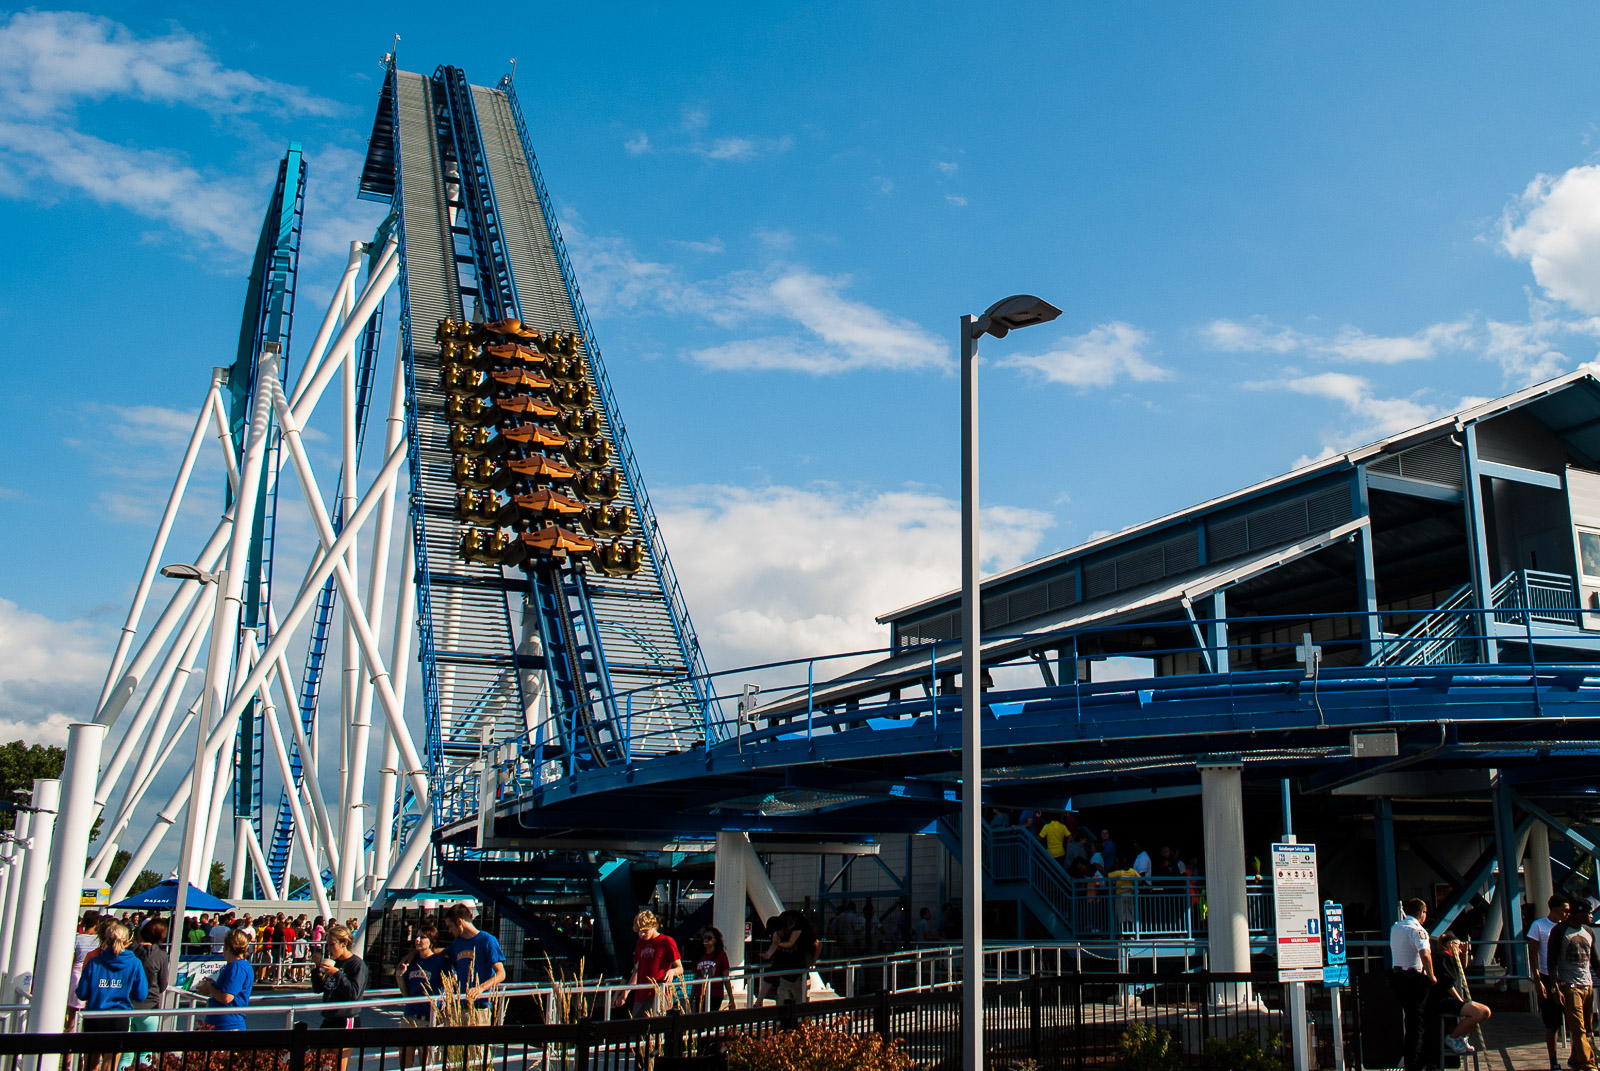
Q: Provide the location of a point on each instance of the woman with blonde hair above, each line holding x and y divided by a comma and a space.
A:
113, 979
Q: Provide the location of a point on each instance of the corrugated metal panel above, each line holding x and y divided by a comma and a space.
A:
1436, 461
1277, 524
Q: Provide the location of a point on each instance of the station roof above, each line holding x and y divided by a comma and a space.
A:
1568, 406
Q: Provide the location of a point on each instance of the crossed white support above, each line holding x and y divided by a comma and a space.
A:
147, 705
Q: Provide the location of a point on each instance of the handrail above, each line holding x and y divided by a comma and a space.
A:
897, 693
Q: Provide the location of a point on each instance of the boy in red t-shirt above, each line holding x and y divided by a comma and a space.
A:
655, 962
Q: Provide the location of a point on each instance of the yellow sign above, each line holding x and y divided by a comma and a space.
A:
95, 896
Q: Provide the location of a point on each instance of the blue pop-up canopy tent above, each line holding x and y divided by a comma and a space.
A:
166, 895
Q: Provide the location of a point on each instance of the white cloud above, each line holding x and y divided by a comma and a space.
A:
710, 247
637, 145
1353, 344
695, 119
50, 674
809, 569
776, 239
150, 183
1257, 335
843, 334
51, 62
1376, 417
48, 59
1260, 335
1527, 352
800, 320
956, 199
1097, 358
949, 167
884, 184
741, 149
1555, 226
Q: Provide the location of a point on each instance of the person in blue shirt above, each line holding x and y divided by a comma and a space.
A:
112, 980
420, 975
232, 985
479, 963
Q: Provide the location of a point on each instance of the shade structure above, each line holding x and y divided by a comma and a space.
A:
165, 894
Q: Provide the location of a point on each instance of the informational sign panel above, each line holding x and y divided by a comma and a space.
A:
1298, 908
1336, 970
95, 896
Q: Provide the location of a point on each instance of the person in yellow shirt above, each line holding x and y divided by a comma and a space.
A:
1124, 883
1055, 835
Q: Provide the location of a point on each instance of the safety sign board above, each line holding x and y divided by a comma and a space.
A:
1298, 908
1336, 971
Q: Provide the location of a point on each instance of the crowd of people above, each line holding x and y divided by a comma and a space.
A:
122, 965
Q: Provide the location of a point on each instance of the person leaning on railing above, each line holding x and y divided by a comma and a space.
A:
231, 987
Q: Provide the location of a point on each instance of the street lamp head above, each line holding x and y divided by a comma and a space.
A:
1007, 314
188, 572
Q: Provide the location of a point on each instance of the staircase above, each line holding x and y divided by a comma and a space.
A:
1017, 869
1444, 637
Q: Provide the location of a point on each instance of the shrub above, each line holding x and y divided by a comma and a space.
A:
1244, 1052
814, 1048
1144, 1048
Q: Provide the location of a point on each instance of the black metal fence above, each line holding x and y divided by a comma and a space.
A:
1060, 1022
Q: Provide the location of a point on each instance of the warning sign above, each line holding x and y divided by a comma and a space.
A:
1298, 908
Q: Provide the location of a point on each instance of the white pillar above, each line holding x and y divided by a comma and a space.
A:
728, 896
69, 852
1222, 818
18, 858
1536, 868
25, 937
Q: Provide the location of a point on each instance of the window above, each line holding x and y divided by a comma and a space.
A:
1589, 547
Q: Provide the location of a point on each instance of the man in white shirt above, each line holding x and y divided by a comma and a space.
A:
1539, 966
1412, 978
218, 934
1141, 860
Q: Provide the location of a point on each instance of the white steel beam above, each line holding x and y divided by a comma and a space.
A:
163, 530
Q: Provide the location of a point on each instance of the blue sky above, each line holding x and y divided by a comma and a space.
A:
1274, 230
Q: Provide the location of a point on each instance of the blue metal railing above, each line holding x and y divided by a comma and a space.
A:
896, 693
1548, 598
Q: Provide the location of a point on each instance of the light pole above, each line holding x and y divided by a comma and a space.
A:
1022, 310
215, 667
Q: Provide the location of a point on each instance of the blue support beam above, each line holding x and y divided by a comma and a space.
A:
1508, 850
1477, 539
1388, 875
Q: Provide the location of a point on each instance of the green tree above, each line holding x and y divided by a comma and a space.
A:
119, 863
217, 883
20, 765
147, 880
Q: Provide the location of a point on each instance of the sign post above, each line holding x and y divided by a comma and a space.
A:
1336, 973
1298, 910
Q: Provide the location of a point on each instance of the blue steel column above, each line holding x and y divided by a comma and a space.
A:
1217, 632
1508, 890
1388, 875
1478, 538
1366, 569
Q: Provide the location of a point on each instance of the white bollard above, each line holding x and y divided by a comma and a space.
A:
25, 934
63, 895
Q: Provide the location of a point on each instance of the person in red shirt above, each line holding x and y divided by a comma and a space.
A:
655, 963
711, 969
